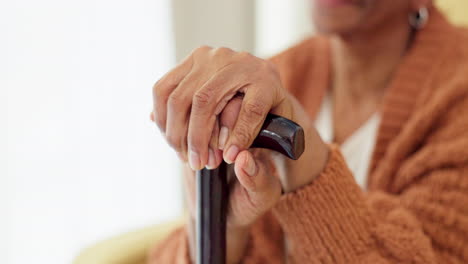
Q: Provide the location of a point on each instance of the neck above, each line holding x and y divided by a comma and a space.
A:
363, 62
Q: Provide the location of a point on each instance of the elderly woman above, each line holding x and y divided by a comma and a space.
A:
382, 94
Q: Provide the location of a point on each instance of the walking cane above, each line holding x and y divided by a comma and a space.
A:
277, 133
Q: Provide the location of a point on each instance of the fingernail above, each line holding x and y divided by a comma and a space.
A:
231, 154
223, 135
194, 160
250, 167
211, 160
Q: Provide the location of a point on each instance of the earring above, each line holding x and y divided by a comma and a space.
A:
419, 19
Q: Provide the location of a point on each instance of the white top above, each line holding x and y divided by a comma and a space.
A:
357, 149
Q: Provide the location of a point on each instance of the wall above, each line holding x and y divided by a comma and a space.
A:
216, 23
84, 162
457, 10
279, 24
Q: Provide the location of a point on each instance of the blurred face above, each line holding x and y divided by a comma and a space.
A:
348, 16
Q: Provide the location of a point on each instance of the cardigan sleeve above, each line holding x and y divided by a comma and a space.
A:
423, 219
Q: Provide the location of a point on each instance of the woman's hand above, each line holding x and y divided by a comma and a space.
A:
189, 98
253, 181
198, 110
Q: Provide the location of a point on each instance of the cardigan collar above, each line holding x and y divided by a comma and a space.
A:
414, 75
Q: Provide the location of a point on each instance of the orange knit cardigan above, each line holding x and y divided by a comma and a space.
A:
416, 207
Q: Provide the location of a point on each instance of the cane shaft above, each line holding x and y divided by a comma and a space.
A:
212, 198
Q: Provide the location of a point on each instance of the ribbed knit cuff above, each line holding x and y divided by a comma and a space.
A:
266, 244
327, 220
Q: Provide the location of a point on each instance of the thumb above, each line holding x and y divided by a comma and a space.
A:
256, 192
256, 176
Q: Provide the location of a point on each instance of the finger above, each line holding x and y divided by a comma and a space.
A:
189, 186
164, 87
254, 176
255, 193
228, 119
178, 110
214, 155
208, 102
256, 104
184, 147
215, 135
198, 157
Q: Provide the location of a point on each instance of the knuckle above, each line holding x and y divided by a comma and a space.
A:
174, 142
196, 142
222, 51
171, 80
254, 110
270, 67
242, 134
163, 85
244, 55
157, 89
221, 56
201, 99
202, 49
263, 67
175, 99
160, 122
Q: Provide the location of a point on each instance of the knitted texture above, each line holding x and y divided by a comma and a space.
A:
415, 209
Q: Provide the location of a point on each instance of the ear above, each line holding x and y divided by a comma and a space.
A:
417, 4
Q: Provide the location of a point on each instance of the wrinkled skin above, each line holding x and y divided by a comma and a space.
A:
198, 108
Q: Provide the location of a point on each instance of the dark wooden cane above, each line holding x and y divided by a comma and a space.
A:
278, 134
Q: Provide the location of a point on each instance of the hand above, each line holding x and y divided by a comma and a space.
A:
254, 184
197, 109
189, 98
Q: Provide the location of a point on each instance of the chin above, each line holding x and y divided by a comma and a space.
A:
342, 19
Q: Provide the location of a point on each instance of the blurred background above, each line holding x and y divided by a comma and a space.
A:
80, 161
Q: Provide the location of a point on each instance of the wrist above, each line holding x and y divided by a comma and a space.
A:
310, 165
